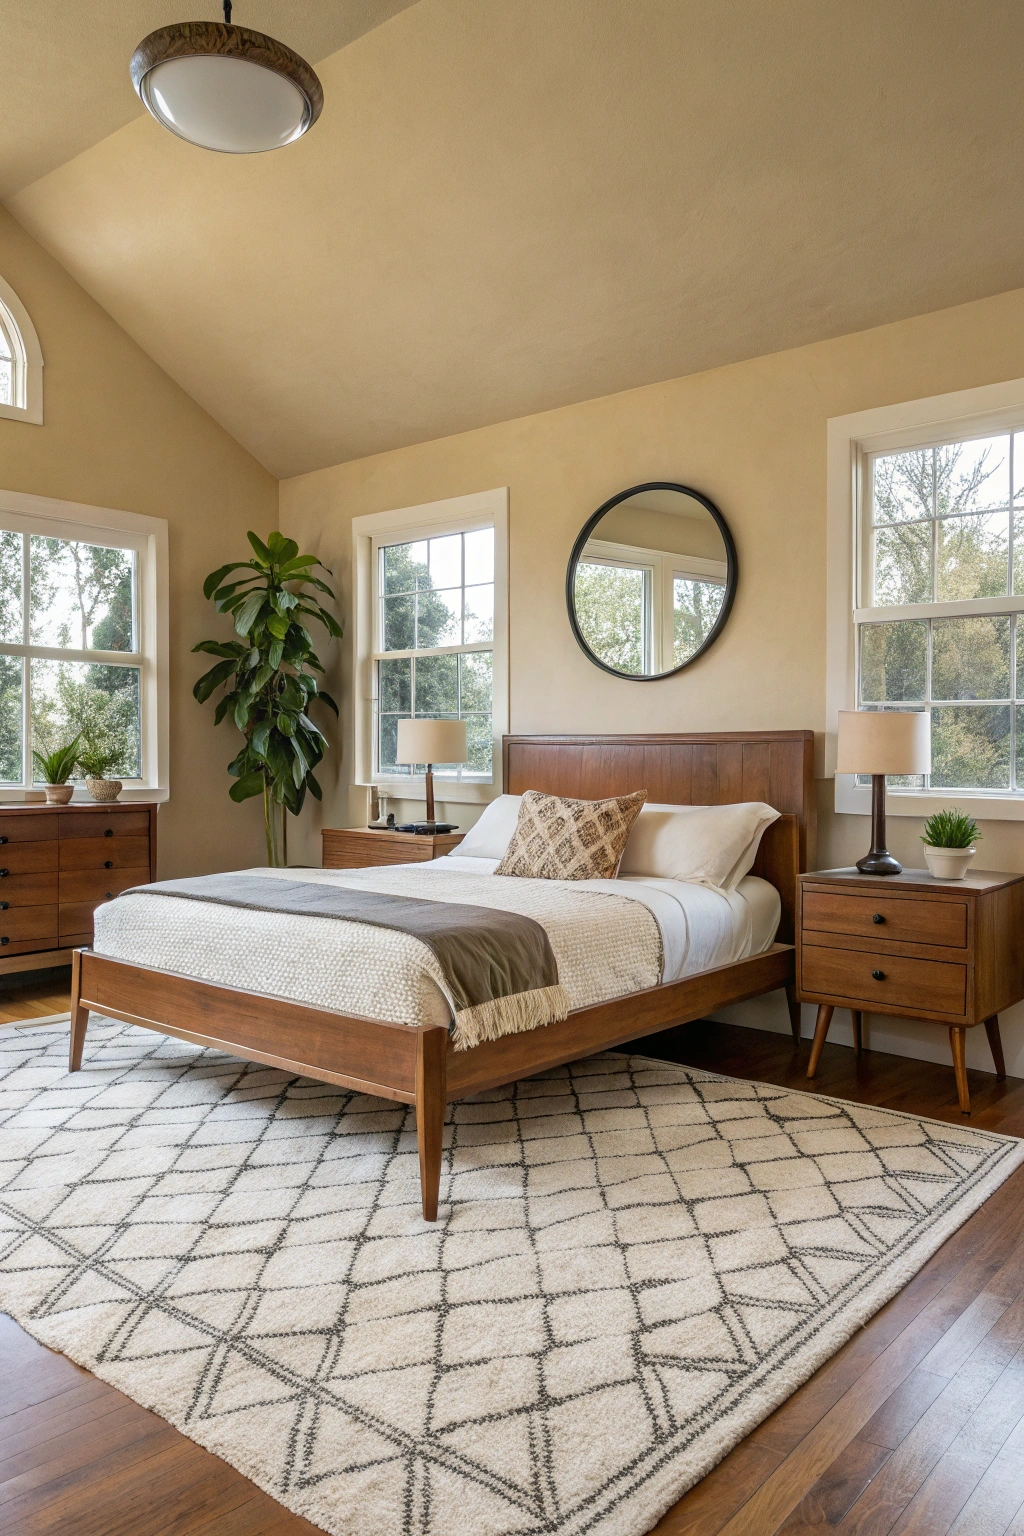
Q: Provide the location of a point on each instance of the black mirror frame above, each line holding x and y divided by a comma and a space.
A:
731, 578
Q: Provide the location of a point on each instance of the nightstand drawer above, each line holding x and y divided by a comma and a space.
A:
882, 917
933, 986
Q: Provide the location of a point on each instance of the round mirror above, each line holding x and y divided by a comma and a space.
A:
651, 580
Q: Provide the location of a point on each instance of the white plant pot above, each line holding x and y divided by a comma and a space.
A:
59, 794
948, 863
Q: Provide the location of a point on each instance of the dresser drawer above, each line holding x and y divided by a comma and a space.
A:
99, 824
75, 921
98, 885
27, 859
27, 923
28, 890
16, 827
104, 853
931, 985
883, 917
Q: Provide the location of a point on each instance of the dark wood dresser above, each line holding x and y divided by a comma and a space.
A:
361, 848
57, 864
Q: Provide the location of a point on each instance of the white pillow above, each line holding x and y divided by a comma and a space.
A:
713, 845
492, 834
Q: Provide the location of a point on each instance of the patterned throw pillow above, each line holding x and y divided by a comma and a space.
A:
557, 839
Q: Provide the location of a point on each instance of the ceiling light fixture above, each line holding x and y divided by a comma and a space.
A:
224, 87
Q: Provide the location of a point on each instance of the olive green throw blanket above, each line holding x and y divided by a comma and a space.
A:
499, 966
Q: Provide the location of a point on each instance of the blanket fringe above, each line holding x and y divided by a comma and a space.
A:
511, 1015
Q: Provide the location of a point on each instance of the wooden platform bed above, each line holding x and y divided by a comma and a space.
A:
418, 1065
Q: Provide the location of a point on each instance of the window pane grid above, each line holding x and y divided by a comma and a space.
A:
434, 610
939, 536
53, 593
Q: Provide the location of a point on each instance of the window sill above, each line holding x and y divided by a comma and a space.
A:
13, 796
445, 793
853, 799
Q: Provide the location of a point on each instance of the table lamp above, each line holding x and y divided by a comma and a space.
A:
881, 742
430, 742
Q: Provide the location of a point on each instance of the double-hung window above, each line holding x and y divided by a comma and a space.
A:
435, 637
645, 610
939, 616
79, 641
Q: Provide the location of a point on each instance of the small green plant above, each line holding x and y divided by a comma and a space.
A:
57, 767
951, 829
95, 762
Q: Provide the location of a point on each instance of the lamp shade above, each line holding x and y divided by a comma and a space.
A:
431, 741
886, 741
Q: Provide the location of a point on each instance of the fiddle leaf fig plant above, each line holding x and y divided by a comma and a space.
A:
268, 675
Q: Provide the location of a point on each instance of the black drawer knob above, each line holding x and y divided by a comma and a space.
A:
3, 839
4, 873
877, 918
878, 975
4, 905
5, 940
108, 832
108, 895
108, 863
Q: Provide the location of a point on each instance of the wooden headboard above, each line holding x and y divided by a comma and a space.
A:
688, 769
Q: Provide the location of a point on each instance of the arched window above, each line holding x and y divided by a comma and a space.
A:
21, 361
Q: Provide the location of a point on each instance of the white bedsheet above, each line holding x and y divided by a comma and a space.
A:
380, 973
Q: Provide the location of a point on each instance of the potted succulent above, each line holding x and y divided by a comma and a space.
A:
949, 838
95, 764
55, 769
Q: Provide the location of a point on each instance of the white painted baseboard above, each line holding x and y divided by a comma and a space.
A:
901, 1037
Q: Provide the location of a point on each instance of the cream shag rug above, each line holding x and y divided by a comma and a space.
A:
636, 1264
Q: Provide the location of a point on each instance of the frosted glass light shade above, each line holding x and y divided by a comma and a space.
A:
431, 741
225, 88
888, 741
225, 103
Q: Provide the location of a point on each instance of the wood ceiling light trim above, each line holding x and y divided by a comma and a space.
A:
205, 39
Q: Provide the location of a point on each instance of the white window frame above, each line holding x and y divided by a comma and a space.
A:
28, 359
659, 593
48, 518
456, 514
852, 440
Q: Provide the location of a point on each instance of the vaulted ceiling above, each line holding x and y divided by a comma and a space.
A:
508, 205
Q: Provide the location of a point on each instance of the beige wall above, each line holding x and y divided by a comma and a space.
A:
752, 437
117, 432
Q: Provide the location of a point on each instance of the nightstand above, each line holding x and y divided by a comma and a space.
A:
361, 848
947, 951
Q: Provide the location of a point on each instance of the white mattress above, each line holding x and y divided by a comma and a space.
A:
378, 973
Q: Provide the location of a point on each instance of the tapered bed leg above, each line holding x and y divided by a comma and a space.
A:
79, 1015
431, 1054
957, 1034
996, 1045
857, 1020
794, 1010
825, 1012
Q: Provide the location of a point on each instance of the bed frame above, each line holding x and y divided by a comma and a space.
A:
419, 1065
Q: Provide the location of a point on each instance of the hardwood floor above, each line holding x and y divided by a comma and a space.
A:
916, 1427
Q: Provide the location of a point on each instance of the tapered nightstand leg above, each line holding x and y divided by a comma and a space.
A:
856, 1018
957, 1040
996, 1045
825, 1012
794, 1011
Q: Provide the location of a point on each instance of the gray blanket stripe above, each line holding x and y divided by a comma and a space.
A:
485, 953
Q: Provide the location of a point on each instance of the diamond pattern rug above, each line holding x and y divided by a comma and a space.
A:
635, 1263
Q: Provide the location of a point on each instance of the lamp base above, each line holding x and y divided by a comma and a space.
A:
879, 864
879, 861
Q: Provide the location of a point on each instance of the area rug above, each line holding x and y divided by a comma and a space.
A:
635, 1263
